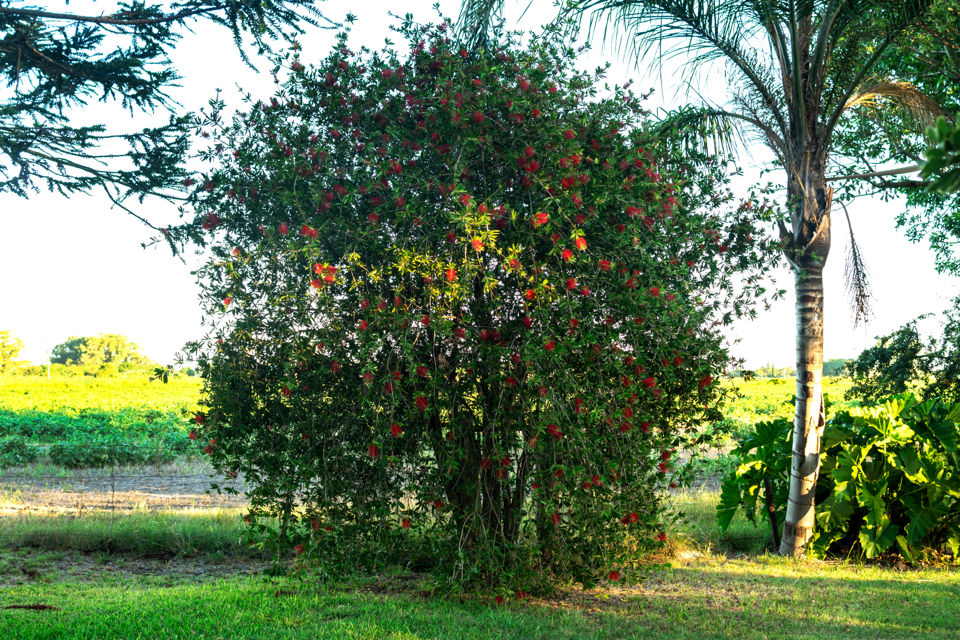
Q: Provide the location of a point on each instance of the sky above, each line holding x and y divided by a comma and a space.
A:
74, 266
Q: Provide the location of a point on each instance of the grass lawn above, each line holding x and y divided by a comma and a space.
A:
138, 579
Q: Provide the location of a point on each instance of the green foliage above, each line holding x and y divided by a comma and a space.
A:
943, 157
462, 304
890, 475
10, 348
94, 351
16, 451
835, 366
52, 63
902, 361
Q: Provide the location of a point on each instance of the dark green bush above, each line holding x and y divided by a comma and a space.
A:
93, 452
16, 451
890, 475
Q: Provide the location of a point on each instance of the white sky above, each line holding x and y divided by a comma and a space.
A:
74, 266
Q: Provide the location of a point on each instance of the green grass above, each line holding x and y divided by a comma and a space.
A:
711, 598
185, 575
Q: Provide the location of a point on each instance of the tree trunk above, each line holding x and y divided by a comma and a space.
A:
807, 253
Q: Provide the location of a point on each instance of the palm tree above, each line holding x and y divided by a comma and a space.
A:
797, 66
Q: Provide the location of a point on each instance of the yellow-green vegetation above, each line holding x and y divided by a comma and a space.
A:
768, 399
79, 395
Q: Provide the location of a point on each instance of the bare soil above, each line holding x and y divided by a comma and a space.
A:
171, 486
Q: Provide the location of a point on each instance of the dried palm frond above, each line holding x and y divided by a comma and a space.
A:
856, 279
920, 108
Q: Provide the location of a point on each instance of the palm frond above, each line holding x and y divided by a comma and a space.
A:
701, 32
707, 129
919, 108
856, 279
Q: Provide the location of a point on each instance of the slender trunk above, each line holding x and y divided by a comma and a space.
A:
808, 418
807, 251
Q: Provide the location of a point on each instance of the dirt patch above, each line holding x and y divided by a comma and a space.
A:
129, 488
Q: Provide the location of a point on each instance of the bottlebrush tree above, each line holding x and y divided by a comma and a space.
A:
462, 308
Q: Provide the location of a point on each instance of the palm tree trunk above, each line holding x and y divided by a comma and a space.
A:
808, 420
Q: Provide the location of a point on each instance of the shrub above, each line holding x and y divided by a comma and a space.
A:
460, 302
890, 477
95, 452
16, 451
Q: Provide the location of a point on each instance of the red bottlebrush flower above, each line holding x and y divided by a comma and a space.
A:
535, 113
521, 595
665, 455
530, 294
193, 434
535, 485
723, 248
478, 117
580, 243
655, 292
367, 377
364, 304
451, 237
314, 525
634, 517
569, 134
554, 430
670, 297
397, 302
627, 361
425, 321
395, 375
189, 182
673, 485
299, 549
498, 599
540, 219
578, 406
511, 382
627, 412
574, 323
335, 367
422, 371
395, 167
373, 451
395, 430
374, 219
514, 263
465, 199
645, 427
283, 229
316, 284
604, 265
690, 263
662, 537
308, 231
705, 382
585, 291
638, 320
451, 275
208, 449
477, 244
558, 473
614, 576
550, 346
502, 474
567, 255
596, 480
388, 387
199, 418
515, 358
286, 392
677, 361
625, 427
486, 463
608, 320
460, 332
363, 325
532, 167
304, 436
662, 467
227, 301
386, 73
529, 152
665, 362
421, 403
438, 504
405, 523
571, 284
527, 322
649, 383
555, 518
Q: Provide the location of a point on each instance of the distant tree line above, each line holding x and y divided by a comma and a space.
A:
103, 355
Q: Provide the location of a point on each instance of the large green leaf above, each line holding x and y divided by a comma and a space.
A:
895, 405
871, 497
849, 471
876, 540
729, 501
946, 432
833, 515
923, 517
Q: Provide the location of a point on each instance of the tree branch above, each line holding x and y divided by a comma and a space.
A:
876, 174
123, 22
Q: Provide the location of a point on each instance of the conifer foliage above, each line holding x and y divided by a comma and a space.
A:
462, 306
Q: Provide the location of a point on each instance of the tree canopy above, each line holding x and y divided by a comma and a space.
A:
103, 348
52, 63
10, 348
